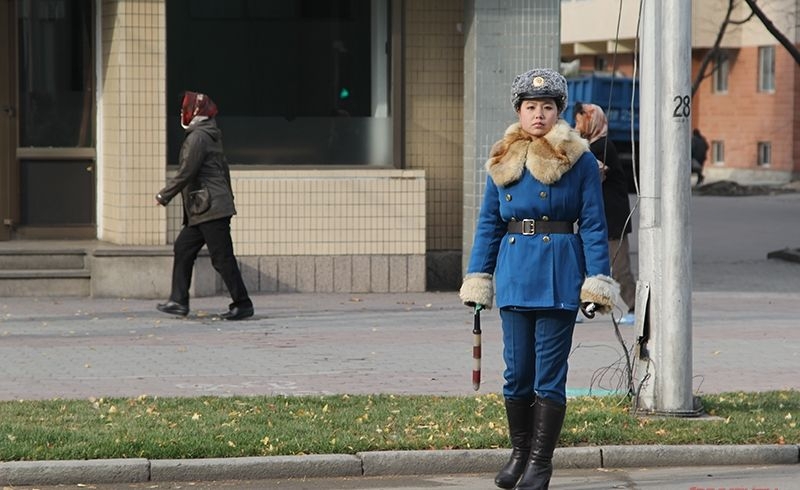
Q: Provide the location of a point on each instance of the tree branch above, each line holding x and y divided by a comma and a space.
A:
791, 48
707, 59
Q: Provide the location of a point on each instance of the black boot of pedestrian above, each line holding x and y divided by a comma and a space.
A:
520, 417
548, 417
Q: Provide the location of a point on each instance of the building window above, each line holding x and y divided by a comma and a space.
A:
721, 69
56, 75
718, 152
297, 82
600, 63
764, 153
766, 69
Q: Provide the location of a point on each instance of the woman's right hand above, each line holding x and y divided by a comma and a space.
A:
588, 310
477, 290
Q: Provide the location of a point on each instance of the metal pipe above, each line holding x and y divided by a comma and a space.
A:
674, 390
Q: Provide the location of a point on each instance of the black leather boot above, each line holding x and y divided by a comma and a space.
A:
548, 417
520, 418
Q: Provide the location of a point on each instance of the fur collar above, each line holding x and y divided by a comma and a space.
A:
547, 158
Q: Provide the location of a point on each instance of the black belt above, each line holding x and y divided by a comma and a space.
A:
531, 226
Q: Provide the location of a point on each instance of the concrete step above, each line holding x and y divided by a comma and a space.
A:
38, 259
44, 271
45, 282
96, 269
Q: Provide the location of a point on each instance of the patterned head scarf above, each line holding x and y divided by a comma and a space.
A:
593, 123
196, 107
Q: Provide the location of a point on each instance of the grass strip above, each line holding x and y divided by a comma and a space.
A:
210, 427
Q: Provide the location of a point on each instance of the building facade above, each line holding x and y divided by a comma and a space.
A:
356, 130
353, 127
746, 104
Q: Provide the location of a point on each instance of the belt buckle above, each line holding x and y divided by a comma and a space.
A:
528, 227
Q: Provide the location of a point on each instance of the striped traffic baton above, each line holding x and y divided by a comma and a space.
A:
476, 349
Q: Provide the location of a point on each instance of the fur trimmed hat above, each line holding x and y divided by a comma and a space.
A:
539, 83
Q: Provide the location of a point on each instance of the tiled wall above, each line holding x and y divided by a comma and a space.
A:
131, 129
434, 90
503, 39
360, 230
357, 230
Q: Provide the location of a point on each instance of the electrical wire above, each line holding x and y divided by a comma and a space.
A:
627, 376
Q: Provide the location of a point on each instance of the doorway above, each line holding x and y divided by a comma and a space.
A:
7, 128
48, 169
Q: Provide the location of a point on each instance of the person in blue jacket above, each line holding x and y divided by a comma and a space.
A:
541, 240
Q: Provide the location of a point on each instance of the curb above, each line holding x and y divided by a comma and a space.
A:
379, 463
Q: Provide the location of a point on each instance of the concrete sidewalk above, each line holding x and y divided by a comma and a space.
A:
298, 344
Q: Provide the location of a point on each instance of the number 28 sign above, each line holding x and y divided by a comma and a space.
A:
683, 106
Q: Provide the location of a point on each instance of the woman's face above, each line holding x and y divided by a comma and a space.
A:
537, 117
581, 123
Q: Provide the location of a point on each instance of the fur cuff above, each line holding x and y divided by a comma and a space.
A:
477, 288
602, 291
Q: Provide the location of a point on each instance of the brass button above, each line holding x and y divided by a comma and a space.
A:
546, 239
543, 194
508, 197
512, 240
545, 218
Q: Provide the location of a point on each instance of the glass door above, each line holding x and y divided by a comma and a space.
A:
8, 184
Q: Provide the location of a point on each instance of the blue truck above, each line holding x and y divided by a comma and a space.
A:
619, 98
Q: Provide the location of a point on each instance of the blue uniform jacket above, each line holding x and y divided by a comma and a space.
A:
553, 178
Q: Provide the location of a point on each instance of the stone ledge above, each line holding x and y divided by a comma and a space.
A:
139, 252
43, 273
145, 273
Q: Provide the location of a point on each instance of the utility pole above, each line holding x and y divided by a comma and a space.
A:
663, 364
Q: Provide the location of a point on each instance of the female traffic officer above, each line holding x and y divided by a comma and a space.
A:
542, 185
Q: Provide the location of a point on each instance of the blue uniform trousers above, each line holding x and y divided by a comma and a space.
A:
536, 346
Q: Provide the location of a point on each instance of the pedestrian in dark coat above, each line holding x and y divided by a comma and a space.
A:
592, 124
204, 182
699, 151
542, 182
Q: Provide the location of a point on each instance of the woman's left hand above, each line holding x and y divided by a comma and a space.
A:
603, 170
